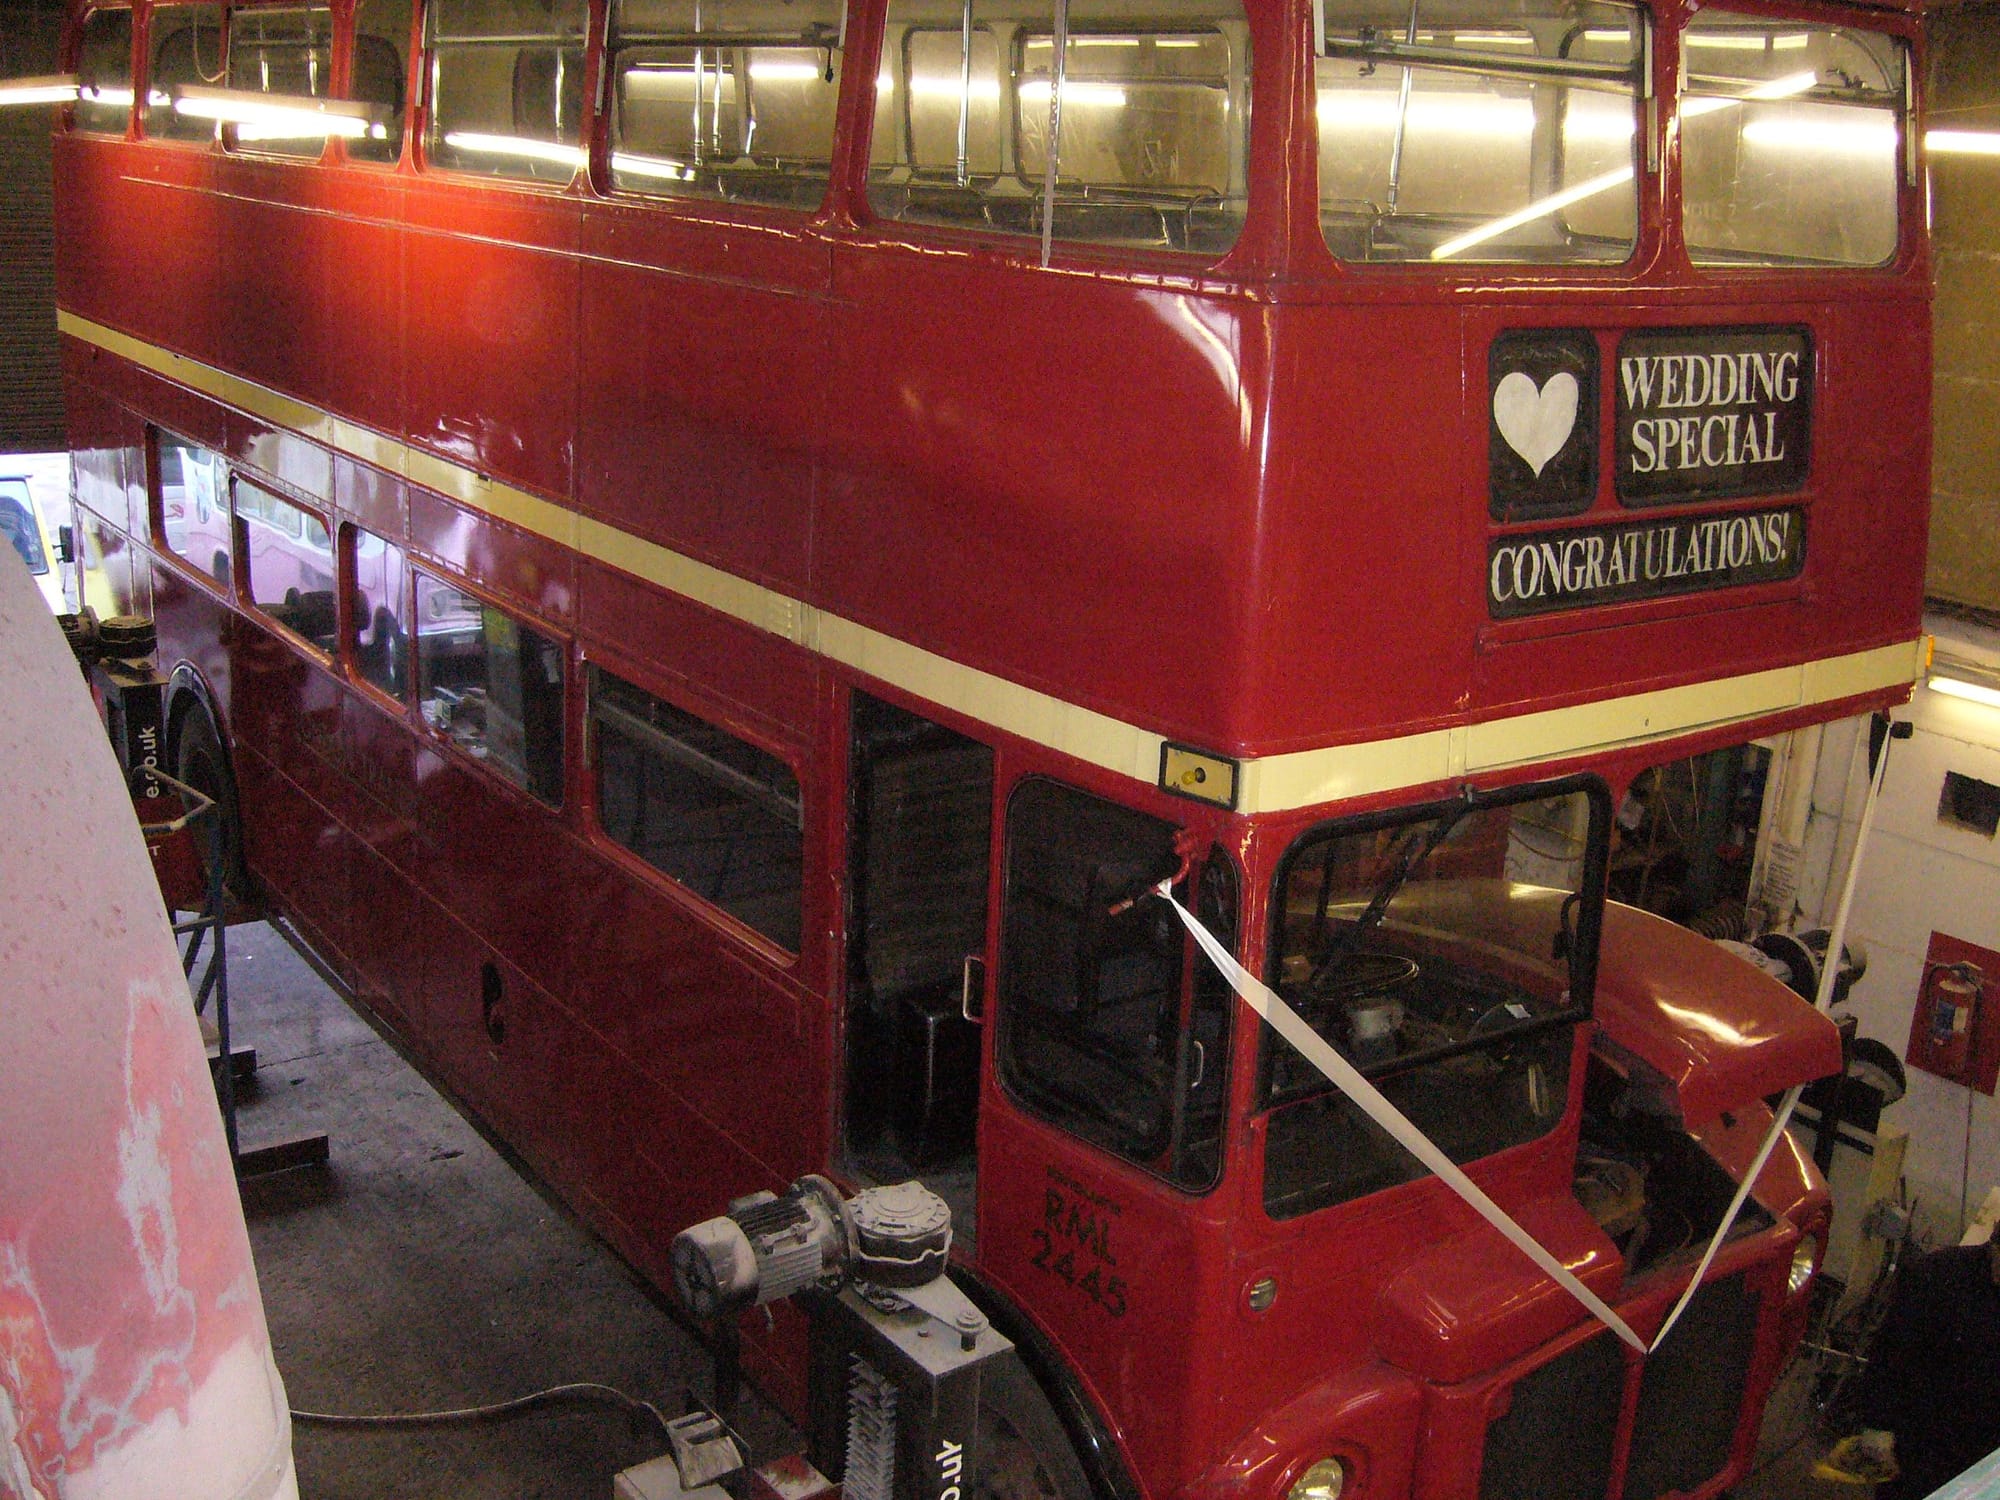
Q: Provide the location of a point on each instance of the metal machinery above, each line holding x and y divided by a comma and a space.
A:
897, 1350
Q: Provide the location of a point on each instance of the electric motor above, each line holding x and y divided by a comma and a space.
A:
769, 1245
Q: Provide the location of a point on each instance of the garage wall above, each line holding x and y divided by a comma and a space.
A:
1921, 874
1965, 524
31, 404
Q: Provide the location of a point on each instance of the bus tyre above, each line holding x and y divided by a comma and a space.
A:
199, 760
1026, 1453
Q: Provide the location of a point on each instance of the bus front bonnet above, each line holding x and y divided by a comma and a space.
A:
1720, 1032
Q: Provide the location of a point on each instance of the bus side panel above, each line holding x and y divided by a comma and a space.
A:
491, 341
271, 272
966, 478
281, 708
704, 388
361, 244
1364, 632
731, 662
138, 242
515, 564
491, 855
707, 1023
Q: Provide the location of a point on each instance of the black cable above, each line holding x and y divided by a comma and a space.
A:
584, 1390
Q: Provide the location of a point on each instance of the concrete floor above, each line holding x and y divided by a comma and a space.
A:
419, 1271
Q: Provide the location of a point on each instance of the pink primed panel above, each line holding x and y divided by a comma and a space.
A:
136, 1359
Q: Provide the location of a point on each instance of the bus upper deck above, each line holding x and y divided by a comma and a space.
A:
1465, 364
704, 552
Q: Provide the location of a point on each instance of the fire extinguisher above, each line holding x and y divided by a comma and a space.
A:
1950, 1000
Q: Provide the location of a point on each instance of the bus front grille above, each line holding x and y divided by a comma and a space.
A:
1555, 1440
1691, 1394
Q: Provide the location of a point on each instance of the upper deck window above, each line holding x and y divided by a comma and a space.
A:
724, 98
104, 72
381, 46
506, 87
1789, 142
286, 52
1150, 106
1447, 953
187, 53
1498, 139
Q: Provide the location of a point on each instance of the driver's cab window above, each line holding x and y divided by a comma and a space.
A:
1104, 1028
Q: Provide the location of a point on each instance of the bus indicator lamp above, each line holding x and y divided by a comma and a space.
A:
1198, 775
1323, 1481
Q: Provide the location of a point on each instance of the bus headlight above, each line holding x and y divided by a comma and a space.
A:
1805, 1260
1323, 1481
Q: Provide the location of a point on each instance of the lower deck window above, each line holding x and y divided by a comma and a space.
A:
288, 562
379, 633
492, 686
719, 815
194, 507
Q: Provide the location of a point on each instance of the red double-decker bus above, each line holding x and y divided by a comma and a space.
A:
718, 550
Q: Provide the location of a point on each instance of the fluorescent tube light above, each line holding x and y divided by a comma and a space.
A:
663, 168
1958, 687
49, 88
1494, 228
274, 116
1962, 142
515, 145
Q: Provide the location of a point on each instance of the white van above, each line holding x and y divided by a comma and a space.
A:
34, 514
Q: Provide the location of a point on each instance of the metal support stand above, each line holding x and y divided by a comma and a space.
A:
187, 886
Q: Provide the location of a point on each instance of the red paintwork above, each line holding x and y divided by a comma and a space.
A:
1244, 507
1722, 1039
1444, 1313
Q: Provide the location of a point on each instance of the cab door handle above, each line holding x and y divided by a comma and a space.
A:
972, 988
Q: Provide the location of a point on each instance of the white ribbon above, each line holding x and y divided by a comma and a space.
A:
1317, 1051
1829, 971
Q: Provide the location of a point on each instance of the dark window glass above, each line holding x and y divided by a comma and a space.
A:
507, 87
381, 47
1097, 1031
724, 98
288, 560
104, 72
187, 53
718, 814
492, 686
17, 524
379, 635
1447, 952
194, 507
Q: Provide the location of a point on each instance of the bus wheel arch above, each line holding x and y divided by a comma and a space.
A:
200, 757
1041, 1438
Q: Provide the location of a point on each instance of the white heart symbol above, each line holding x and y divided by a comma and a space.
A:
1536, 423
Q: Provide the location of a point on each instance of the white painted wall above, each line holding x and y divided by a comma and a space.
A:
1918, 875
